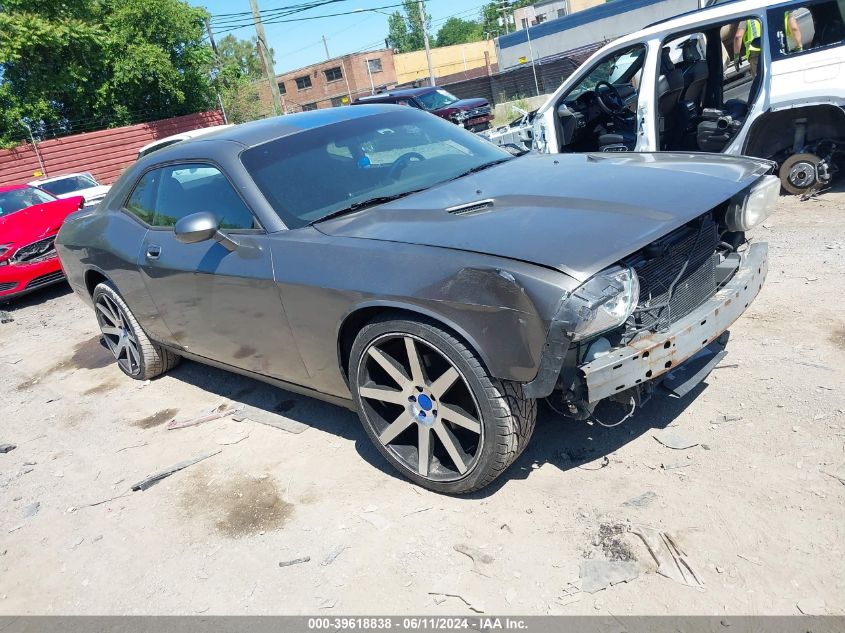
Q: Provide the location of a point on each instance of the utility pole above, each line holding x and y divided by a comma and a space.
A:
425, 40
218, 65
267, 62
503, 10
326, 46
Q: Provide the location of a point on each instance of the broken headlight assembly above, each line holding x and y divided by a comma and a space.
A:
602, 303
5, 253
752, 206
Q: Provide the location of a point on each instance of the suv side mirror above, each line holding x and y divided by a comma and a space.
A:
199, 227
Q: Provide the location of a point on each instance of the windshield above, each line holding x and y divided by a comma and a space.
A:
17, 199
619, 68
437, 99
313, 174
68, 184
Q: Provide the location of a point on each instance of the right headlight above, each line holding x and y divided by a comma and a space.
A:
751, 207
602, 303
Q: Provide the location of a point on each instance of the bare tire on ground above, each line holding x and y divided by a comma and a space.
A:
432, 408
798, 174
136, 355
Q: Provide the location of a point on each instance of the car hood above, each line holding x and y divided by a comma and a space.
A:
35, 222
463, 104
577, 213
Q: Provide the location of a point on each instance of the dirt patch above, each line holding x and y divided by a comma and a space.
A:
245, 351
101, 388
157, 419
611, 541
90, 354
837, 337
240, 506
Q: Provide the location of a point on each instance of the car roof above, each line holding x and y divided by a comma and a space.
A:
4, 188
184, 136
258, 132
41, 181
692, 18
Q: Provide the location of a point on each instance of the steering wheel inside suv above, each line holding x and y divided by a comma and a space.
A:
609, 99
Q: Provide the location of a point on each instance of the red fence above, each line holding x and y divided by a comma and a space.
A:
104, 153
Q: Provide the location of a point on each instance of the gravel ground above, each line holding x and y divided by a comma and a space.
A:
756, 506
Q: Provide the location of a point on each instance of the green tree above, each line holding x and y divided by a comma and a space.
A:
458, 31
491, 17
405, 29
77, 65
397, 32
239, 77
239, 57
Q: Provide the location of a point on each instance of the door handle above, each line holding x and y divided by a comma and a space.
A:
153, 251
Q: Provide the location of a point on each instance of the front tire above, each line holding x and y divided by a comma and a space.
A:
136, 355
432, 408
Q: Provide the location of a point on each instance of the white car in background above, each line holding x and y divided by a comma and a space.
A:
76, 184
182, 136
673, 86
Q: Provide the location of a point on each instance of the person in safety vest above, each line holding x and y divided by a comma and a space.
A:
747, 36
794, 40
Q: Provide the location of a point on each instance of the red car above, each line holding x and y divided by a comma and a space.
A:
30, 218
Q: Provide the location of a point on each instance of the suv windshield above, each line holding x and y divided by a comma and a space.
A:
17, 199
69, 184
437, 99
323, 171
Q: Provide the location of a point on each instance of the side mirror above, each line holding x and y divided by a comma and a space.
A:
199, 227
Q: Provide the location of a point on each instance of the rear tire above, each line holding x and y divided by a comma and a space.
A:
431, 407
136, 355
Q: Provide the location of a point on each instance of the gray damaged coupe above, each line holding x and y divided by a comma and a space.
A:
383, 259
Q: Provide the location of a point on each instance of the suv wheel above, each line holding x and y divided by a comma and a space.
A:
432, 409
798, 174
136, 355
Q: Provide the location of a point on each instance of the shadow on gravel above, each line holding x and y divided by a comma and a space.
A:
569, 444
320, 415
559, 441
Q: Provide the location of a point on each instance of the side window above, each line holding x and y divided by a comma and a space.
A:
807, 26
191, 188
142, 201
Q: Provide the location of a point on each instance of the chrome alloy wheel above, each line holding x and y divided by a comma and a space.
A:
420, 407
118, 334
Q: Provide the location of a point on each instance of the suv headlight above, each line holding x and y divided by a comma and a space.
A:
754, 205
602, 303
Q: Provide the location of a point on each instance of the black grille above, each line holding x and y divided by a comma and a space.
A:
687, 258
36, 251
43, 280
7, 285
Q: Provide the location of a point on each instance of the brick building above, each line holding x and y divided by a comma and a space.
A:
337, 81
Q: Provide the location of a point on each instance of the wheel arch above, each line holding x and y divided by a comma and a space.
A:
93, 277
824, 120
364, 313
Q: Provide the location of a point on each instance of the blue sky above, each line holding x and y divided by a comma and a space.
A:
298, 44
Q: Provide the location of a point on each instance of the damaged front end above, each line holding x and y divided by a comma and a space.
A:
659, 315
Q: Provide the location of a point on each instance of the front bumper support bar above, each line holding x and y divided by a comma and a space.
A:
650, 356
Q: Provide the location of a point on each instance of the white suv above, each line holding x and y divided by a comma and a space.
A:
675, 86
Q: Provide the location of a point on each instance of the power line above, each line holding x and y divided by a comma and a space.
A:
312, 17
